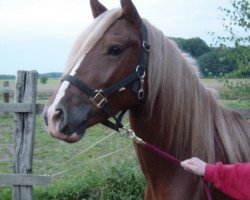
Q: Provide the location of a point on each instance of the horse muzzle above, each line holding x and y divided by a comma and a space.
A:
66, 124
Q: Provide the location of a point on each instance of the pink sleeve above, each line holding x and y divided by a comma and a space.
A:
233, 179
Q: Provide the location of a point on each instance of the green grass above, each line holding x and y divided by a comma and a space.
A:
235, 104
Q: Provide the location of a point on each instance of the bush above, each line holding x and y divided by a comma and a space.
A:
235, 88
70, 190
117, 182
216, 63
124, 184
193, 46
44, 79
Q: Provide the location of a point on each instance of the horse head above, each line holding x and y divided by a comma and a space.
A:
107, 52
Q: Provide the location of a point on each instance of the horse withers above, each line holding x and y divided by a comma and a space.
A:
111, 69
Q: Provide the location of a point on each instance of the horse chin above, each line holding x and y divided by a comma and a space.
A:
72, 138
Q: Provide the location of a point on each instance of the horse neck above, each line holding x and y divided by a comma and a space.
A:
160, 173
174, 121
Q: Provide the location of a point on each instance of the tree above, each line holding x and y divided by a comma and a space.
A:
216, 62
194, 46
44, 79
236, 22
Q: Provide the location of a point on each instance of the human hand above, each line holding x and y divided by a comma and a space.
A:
194, 165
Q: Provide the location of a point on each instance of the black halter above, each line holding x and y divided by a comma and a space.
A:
99, 97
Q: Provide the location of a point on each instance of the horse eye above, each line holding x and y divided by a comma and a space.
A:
115, 50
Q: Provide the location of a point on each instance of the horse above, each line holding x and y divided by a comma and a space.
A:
122, 62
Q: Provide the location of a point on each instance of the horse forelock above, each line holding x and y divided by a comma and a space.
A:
89, 37
191, 116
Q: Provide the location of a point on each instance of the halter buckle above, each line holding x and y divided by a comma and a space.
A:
99, 99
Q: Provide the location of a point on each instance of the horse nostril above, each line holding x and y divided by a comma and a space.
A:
61, 117
58, 114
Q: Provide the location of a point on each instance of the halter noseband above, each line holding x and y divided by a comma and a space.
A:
99, 97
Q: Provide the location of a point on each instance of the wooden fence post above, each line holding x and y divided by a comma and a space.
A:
6, 94
24, 129
25, 110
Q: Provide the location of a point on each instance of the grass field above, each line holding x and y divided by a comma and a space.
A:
108, 164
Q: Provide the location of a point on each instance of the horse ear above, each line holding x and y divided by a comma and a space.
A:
97, 8
130, 12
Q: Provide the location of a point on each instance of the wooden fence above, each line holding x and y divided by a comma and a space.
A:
25, 110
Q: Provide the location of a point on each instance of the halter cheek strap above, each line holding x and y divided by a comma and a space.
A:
99, 97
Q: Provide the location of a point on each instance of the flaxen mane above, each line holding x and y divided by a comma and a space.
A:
191, 115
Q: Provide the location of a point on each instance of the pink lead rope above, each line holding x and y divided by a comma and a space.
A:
132, 135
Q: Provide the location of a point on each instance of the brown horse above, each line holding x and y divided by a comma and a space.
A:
177, 113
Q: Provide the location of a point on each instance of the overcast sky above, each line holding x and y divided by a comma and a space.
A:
38, 34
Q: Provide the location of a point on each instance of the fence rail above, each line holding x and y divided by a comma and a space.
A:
24, 179
21, 108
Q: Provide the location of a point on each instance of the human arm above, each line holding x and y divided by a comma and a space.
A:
233, 179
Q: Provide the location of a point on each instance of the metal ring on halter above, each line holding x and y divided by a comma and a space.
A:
141, 94
146, 46
137, 70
